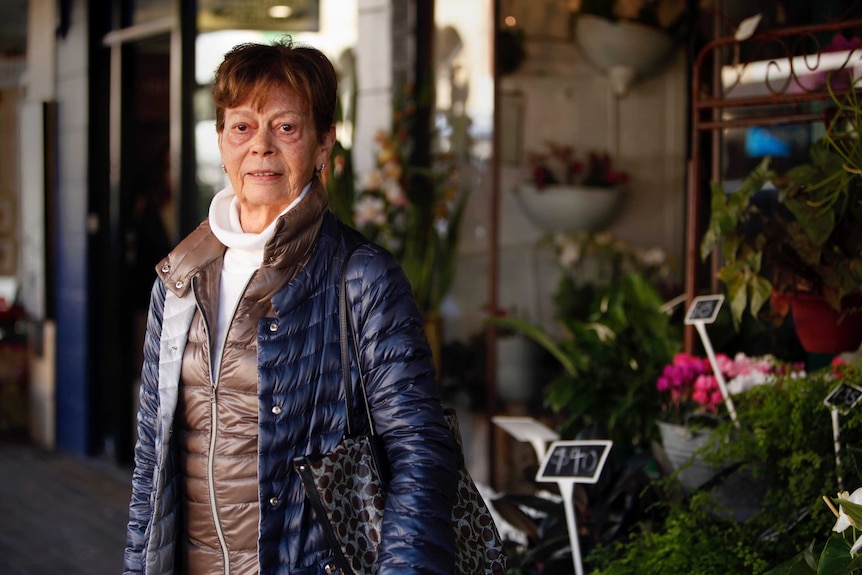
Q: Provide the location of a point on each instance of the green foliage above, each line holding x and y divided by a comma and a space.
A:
691, 541
614, 350
785, 438
811, 241
741, 244
619, 347
614, 341
339, 183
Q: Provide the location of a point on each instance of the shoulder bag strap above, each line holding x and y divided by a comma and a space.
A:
346, 330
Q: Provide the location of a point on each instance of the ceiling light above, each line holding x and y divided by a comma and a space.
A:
280, 11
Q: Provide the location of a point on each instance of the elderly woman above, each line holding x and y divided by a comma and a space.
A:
242, 364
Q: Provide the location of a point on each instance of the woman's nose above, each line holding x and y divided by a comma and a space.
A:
262, 143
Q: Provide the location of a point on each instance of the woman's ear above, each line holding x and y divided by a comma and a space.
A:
326, 145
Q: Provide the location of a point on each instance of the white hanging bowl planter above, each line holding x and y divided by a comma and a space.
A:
568, 208
623, 50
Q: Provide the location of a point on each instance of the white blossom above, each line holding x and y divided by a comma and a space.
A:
569, 254
369, 210
653, 257
372, 180
394, 193
748, 380
844, 520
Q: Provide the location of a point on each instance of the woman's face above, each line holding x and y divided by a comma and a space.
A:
270, 154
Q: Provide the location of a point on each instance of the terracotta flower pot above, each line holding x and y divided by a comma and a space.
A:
821, 329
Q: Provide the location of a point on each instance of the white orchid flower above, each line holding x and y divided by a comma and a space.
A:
570, 254
653, 257
370, 210
372, 180
394, 193
748, 380
844, 520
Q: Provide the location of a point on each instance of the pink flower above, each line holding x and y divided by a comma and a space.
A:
689, 385
662, 384
707, 392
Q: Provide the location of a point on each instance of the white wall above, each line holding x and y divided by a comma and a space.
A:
39, 85
374, 77
568, 101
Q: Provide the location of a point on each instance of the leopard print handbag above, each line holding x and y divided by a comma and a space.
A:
347, 490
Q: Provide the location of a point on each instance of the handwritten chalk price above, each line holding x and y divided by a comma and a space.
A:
581, 461
844, 396
704, 309
567, 463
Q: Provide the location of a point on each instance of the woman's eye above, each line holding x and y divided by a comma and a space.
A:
241, 127
286, 128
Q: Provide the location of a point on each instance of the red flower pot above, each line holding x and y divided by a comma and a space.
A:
818, 327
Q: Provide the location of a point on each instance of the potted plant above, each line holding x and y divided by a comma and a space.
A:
808, 242
787, 430
610, 337
839, 555
693, 406
567, 194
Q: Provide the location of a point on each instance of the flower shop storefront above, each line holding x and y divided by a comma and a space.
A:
745, 460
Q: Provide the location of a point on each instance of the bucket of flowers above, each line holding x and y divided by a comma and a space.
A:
566, 194
693, 405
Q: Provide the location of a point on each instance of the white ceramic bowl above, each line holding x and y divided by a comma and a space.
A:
561, 208
624, 50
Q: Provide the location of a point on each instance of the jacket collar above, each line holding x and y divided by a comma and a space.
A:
291, 244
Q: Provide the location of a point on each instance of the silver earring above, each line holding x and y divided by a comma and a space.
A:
223, 169
322, 166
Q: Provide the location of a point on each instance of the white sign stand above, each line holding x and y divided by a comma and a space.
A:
843, 397
567, 463
703, 310
836, 430
529, 430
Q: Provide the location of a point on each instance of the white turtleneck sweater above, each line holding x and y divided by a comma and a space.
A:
243, 257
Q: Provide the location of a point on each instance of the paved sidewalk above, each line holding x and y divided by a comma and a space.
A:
61, 514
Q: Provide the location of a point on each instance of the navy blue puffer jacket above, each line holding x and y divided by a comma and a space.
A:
299, 371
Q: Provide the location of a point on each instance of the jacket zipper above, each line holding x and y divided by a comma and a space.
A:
214, 420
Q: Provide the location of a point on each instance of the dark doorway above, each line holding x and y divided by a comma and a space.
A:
140, 230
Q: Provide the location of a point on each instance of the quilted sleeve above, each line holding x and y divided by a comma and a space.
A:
140, 508
400, 380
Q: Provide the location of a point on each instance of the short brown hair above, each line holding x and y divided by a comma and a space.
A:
255, 69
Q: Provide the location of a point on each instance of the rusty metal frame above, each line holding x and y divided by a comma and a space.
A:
708, 107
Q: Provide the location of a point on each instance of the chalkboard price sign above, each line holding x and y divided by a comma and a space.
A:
580, 461
844, 396
704, 309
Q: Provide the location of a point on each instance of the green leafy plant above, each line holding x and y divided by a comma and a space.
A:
614, 338
785, 439
840, 554
623, 499
811, 239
